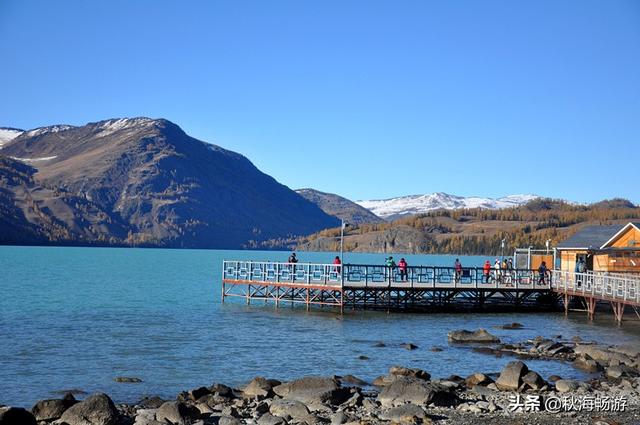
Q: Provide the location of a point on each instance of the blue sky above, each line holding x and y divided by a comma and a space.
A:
361, 98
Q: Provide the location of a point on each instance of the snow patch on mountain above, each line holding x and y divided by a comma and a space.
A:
8, 134
417, 204
50, 129
44, 158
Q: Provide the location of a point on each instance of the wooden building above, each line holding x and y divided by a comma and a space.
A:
608, 248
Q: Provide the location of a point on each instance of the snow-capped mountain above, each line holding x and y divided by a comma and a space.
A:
416, 204
8, 134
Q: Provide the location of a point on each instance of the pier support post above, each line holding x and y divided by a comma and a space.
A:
618, 311
591, 307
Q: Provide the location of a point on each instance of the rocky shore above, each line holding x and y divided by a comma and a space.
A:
515, 395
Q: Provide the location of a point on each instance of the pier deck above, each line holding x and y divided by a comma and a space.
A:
424, 288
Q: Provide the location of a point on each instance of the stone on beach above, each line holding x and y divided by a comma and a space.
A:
511, 376
412, 390
177, 413
411, 372
49, 410
16, 416
586, 364
404, 413
479, 336
313, 389
566, 385
292, 408
477, 379
534, 381
259, 387
97, 409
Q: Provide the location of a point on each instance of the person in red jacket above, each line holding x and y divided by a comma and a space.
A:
486, 269
402, 266
337, 262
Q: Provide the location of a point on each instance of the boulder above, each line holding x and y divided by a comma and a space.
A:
595, 352
269, 419
196, 393
97, 409
177, 413
513, 325
477, 379
614, 372
353, 380
554, 378
228, 420
408, 346
630, 350
405, 371
534, 381
292, 408
50, 410
222, 390
150, 402
412, 390
479, 336
313, 389
511, 376
16, 416
404, 413
566, 385
258, 387
127, 379
586, 364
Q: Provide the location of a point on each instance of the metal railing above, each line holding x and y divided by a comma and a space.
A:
272, 272
380, 276
442, 277
613, 287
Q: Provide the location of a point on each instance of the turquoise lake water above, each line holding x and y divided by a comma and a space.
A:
75, 318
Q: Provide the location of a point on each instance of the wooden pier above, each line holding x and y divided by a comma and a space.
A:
376, 287
425, 288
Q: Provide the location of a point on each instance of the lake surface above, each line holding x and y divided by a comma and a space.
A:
75, 318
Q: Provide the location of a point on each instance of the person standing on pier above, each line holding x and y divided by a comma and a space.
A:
486, 270
293, 260
458, 270
542, 272
498, 273
391, 265
337, 262
402, 266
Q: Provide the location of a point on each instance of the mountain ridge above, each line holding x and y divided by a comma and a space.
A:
144, 181
392, 208
339, 206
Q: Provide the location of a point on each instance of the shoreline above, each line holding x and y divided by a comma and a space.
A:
403, 395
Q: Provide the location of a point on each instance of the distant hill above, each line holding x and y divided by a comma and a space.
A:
472, 231
394, 208
142, 182
339, 207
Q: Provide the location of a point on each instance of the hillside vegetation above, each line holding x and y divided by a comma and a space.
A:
471, 231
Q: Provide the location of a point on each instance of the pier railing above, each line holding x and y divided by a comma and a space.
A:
442, 277
273, 272
380, 276
613, 287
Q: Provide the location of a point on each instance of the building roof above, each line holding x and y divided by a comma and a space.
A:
621, 232
591, 237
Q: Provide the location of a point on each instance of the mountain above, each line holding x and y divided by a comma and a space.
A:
472, 231
416, 204
340, 207
141, 181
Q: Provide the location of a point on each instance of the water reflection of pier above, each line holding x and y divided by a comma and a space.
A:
426, 288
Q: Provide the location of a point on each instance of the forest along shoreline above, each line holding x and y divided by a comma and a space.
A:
403, 395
